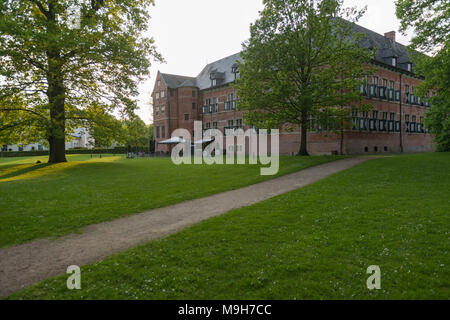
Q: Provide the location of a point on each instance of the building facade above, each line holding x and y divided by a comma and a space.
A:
394, 125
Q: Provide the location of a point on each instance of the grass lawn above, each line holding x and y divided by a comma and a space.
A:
41, 200
313, 243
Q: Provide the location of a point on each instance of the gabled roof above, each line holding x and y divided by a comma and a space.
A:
221, 69
174, 81
386, 48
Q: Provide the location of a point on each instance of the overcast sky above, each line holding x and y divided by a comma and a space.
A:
190, 34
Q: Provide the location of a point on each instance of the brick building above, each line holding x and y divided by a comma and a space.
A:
394, 125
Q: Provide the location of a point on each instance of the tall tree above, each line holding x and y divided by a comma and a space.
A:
430, 22
106, 130
302, 60
62, 59
137, 133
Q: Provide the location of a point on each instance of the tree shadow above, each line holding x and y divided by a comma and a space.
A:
27, 169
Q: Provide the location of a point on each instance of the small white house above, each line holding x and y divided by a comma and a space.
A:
79, 139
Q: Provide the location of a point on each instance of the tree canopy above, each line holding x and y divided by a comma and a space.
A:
302, 61
430, 22
61, 61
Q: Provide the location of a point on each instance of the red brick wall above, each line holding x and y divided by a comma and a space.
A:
353, 142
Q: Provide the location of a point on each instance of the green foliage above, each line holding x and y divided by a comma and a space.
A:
106, 130
430, 20
60, 61
302, 60
312, 243
438, 121
137, 133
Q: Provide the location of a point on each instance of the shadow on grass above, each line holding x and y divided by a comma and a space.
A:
28, 169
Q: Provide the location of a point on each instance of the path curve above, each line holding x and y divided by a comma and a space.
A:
23, 265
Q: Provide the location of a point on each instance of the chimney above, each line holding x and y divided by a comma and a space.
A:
390, 35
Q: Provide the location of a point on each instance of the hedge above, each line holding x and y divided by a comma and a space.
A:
118, 150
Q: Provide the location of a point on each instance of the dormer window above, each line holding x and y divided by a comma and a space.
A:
235, 69
394, 61
216, 77
409, 66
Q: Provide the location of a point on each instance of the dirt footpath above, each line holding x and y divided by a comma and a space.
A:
23, 265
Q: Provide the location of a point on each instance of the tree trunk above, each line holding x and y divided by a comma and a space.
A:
56, 97
57, 150
304, 131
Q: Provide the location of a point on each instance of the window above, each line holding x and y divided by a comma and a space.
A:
194, 106
157, 95
391, 84
208, 125
230, 123
216, 104
163, 132
373, 121
385, 83
214, 82
186, 116
412, 97
163, 108
373, 87
409, 66
193, 94
163, 93
407, 96
413, 125
239, 123
391, 123
159, 83
394, 61
355, 120
215, 125
375, 80
363, 88
364, 120
157, 132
